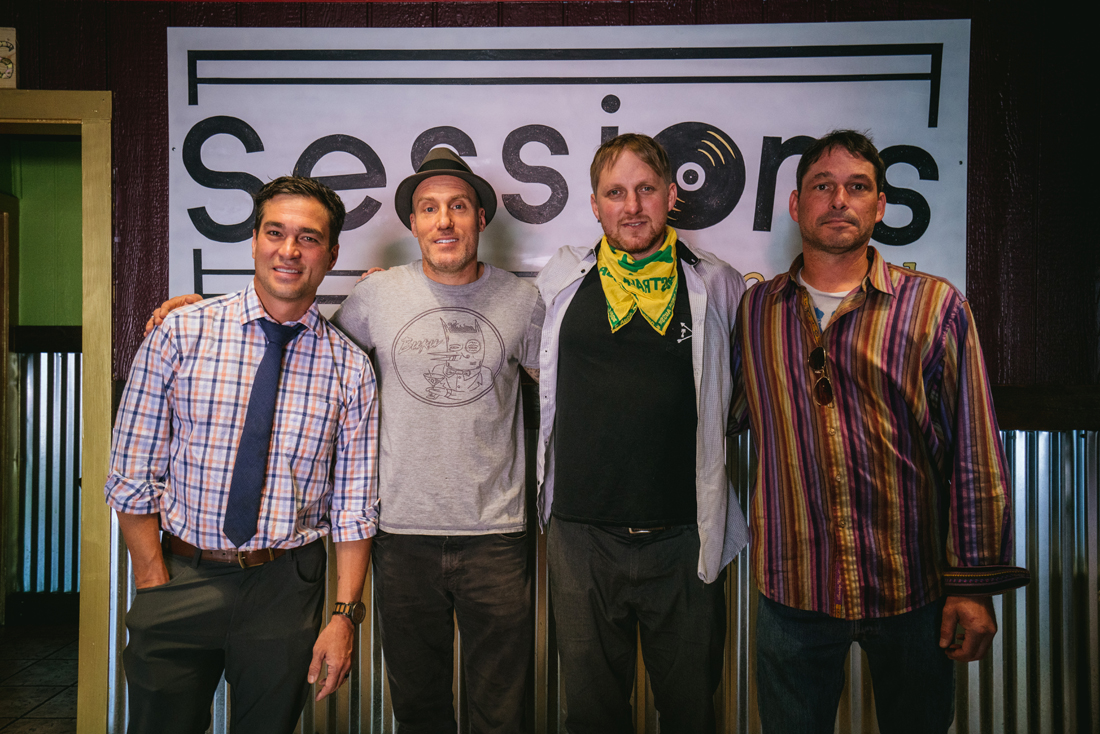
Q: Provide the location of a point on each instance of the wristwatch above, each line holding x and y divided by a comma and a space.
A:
356, 611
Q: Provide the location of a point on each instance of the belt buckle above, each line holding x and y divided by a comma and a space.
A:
241, 555
648, 531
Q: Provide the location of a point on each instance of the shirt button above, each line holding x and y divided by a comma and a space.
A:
836, 477
832, 431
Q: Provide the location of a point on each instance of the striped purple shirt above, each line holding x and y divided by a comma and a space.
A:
860, 507
182, 414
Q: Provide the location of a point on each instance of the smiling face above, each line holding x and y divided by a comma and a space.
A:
292, 252
447, 221
632, 202
839, 204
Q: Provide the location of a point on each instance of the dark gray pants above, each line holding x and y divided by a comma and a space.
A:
605, 586
258, 625
421, 584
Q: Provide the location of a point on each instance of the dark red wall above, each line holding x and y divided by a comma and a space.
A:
1032, 268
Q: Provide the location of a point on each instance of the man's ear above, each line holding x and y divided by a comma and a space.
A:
793, 205
253, 244
334, 251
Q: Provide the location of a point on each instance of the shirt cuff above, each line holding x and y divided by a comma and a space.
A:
984, 580
132, 497
353, 526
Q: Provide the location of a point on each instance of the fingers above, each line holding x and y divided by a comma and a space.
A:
978, 620
168, 307
369, 272
315, 664
333, 680
948, 625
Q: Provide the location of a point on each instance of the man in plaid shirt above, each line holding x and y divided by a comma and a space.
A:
250, 607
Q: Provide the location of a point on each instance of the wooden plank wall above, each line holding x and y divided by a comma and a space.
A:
1032, 267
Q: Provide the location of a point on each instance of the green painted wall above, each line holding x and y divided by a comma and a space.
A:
45, 177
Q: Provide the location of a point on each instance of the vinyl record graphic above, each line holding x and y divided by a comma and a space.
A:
709, 173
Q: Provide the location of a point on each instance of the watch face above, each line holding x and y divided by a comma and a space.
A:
355, 611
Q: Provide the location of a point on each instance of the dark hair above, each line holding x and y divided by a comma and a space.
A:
310, 188
854, 142
643, 146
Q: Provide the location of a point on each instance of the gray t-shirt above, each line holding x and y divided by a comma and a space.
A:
447, 359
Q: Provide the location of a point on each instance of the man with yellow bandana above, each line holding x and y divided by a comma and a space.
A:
634, 393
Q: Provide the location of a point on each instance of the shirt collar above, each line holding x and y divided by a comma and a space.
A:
252, 310
878, 275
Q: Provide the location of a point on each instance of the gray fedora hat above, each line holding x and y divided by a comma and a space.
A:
443, 162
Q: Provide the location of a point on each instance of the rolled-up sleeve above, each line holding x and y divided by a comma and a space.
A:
140, 441
354, 512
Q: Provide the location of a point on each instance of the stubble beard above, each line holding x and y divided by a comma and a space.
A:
651, 244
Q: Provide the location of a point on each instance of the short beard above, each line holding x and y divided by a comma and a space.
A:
657, 240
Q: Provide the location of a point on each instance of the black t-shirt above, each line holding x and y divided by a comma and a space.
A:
625, 420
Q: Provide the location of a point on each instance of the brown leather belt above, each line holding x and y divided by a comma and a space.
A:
245, 559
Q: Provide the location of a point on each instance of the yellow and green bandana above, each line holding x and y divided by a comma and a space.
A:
648, 285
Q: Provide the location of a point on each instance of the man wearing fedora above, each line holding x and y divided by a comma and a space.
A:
448, 335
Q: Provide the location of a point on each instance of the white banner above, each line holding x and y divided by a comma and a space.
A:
527, 108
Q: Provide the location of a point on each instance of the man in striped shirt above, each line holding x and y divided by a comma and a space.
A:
880, 513
240, 591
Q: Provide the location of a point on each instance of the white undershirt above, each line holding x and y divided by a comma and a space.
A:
825, 304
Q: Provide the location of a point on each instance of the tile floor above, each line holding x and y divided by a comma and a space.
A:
38, 680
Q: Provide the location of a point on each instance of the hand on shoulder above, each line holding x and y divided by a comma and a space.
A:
168, 307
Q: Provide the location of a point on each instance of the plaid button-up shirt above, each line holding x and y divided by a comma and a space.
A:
176, 434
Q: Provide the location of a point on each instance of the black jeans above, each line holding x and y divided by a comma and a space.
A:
800, 669
257, 624
422, 583
605, 585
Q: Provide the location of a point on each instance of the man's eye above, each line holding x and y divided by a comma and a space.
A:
274, 233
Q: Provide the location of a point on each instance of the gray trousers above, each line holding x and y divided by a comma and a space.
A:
606, 587
258, 625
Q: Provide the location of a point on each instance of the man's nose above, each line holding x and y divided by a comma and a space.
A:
288, 248
840, 198
633, 202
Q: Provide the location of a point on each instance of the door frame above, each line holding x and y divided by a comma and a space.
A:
87, 114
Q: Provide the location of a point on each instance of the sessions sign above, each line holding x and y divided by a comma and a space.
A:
527, 107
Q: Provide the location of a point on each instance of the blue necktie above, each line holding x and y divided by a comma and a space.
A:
242, 510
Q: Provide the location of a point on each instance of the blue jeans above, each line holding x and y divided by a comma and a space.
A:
421, 584
606, 586
800, 669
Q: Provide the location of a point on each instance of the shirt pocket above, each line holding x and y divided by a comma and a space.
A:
307, 429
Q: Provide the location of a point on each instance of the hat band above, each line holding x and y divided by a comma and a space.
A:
442, 164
